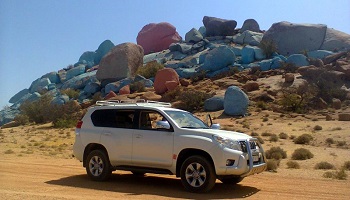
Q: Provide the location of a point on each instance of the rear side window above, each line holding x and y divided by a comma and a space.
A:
113, 118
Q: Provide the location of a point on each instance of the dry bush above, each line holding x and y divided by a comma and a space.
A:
9, 151
273, 138
340, 175
297, 99
318, 128
324, 165
150, 69
283, 135
71, 93
272, 165
254, 134
260, 139
346, 166
303, 139
302, 154
266, 134
137, 87
268, 47
329, 141
293, 165
192, 100
276, 153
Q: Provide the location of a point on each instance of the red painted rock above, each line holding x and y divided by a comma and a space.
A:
162, 76
111, 94
171, 85
125, 90
157, 37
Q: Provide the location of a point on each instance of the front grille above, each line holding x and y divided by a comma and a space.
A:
243, 144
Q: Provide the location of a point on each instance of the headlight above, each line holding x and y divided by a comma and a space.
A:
228, 143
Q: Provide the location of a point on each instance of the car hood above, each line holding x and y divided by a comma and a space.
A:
227, 134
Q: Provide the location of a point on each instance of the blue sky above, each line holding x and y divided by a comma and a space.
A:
40, 36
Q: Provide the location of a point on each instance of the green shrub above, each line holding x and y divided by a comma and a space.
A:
65, 123
340, 175
276, 153
268, 47
303, 139
302, 154
346, 166
283, 135
262, 105
71, 93
22, 119
297, 99
150, 69
293, 165
192, 100
137, 87
324, 165
318, 128
329, 141
272, 165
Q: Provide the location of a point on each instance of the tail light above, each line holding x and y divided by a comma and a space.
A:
79, 124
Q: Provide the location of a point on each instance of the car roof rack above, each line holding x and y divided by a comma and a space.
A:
137, 102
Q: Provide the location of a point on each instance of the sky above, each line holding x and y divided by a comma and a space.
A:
41, 36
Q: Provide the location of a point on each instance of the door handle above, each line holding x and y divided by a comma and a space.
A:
107, 134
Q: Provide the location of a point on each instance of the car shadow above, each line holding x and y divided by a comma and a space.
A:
154, 185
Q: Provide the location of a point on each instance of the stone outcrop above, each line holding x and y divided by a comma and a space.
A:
157, 37
235, 102
214, 104
250, 25
120, 62
292, 38
219, 27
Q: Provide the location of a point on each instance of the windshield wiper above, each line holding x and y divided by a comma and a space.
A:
191, 127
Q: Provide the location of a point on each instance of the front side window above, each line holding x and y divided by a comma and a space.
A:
149, 119
186, 120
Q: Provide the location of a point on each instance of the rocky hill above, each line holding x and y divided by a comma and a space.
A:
312, 52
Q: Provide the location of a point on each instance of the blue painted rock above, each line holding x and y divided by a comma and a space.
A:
298, 60
7, 115
19, 95
79, 82
116, 86
193, 36
39, 85
319, 54
76, 71
248, 54
53, 77
120, 62
203, 31
219, 27
87, 58
186, 72
292, 38
259, 54
102, 50
235, 102
214, 104
218, 58
92, 87
60, 100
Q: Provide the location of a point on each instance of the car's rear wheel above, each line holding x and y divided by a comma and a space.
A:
197, 174
98, 166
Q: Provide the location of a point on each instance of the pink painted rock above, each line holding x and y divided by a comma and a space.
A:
125, 90
111, 94
171, 85
157, 37
162, 76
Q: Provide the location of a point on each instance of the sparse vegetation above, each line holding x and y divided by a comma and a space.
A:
318, 128
293, 165
71, 93
192, 99
346, 166
150, 69
329, 141
302, 154
297, 99
303, 139
266, 134
273, 138
324, 165
341, 143
268, 47
137, 87
9, 151
283, 135
340, 175
276, 153
272, 165
260, 140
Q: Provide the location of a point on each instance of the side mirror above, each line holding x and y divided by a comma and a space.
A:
163, 125
215, 126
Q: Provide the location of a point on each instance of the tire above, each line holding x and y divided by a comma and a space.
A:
231, 180
98, 166
197, 174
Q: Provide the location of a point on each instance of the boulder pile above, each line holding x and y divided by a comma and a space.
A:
216, 48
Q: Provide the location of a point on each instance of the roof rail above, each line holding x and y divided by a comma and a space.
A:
137, 102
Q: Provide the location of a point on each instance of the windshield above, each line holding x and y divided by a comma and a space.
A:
186, 120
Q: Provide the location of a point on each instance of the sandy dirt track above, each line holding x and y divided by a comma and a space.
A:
39, 178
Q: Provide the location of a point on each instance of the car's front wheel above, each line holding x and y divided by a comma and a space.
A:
197, 174
98, 167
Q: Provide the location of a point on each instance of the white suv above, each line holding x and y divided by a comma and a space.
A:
152, 137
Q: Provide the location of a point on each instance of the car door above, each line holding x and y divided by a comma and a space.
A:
117, 135
152, 147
